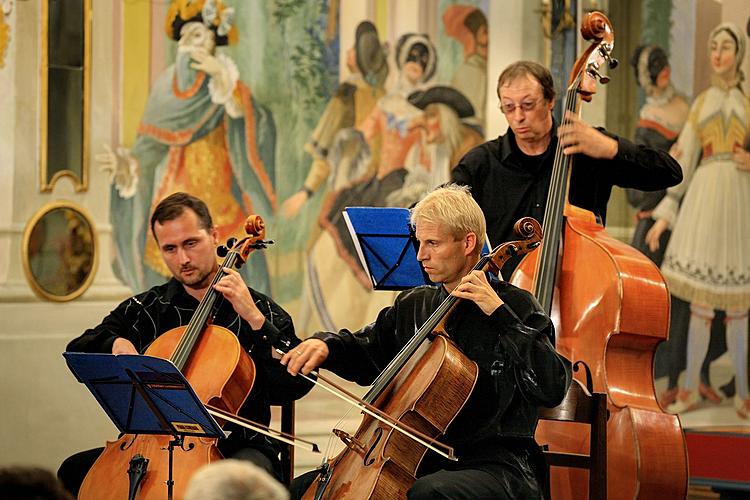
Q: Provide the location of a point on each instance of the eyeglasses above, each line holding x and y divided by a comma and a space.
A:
526, 106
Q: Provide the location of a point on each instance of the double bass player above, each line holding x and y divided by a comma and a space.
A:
510, 176
498, 326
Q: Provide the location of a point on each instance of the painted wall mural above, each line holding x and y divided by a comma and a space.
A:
218, 123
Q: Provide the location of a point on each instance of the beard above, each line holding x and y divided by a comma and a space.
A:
197, 280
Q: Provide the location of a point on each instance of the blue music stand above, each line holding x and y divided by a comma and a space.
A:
386, 246
145, 395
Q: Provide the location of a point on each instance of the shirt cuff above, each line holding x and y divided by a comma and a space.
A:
267, 334
626, 150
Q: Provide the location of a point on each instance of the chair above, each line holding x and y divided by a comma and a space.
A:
287, 451
582, 405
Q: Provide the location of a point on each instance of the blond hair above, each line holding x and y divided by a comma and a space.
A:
452, 206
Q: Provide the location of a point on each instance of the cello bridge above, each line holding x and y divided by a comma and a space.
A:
350, 441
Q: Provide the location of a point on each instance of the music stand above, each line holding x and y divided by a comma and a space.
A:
145, 395
386, 246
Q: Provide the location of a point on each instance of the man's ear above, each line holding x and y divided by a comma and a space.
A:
214, 233
470, 243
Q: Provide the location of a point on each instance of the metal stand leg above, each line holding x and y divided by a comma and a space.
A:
177, 441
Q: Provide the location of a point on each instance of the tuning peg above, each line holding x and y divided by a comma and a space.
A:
222, 251
605, 50
231, 242
593, 70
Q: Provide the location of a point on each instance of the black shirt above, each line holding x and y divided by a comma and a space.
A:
507, 186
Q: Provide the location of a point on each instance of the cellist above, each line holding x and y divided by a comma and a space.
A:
498, 326
510, 176
187, 239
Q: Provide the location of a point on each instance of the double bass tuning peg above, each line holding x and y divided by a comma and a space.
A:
593, 70
222, 251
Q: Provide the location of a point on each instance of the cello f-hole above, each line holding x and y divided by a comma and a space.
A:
125, 445
369, 459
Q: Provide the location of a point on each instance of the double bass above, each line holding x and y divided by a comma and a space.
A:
219, 370
610, 306
411, 403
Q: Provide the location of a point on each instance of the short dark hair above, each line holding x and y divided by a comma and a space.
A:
21, 482
533, 69
173, 205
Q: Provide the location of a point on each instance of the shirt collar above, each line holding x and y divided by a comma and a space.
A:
508, 144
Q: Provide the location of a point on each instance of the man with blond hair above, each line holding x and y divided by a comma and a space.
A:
497, 325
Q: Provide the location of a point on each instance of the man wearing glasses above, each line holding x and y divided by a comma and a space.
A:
510, 176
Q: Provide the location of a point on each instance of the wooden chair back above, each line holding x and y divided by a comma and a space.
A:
582, 406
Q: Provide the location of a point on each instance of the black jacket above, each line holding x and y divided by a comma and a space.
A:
144, 317
519, 368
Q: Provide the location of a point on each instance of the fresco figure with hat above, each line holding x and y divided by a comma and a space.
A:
333, 268
202, 132
707, 259
447, 134
468, 25
350, 105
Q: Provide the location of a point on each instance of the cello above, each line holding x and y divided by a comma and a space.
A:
610, 306
222, 374
420, 393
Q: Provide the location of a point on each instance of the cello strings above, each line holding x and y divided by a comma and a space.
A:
384, 418
195, 326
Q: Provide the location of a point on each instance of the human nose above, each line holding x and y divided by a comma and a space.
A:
518, 110
421, 253
182, 256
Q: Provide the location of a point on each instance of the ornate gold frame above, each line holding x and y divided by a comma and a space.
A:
35, 285
81, 183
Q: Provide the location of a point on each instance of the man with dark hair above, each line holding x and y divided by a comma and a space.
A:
186, 237
510, 176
